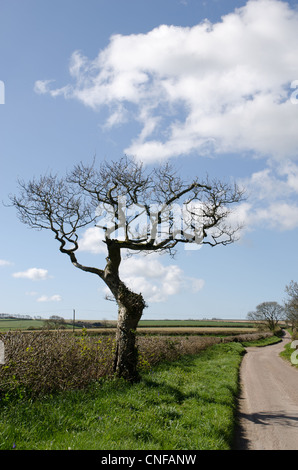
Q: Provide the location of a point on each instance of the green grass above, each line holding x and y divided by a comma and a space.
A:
262, 342
17, 324
185, 405
290, 354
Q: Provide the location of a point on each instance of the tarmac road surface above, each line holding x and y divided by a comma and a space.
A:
268, 405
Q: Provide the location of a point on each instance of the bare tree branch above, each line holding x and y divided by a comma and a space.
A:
138, 210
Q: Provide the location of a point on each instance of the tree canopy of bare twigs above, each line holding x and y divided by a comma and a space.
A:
268, 313
139, 210
291, 304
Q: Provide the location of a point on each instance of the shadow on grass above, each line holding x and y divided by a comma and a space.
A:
200, 392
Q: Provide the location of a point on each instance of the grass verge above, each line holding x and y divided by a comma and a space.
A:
262, 342
187, 404
290, 354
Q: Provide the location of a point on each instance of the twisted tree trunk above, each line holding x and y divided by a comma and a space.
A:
130, 309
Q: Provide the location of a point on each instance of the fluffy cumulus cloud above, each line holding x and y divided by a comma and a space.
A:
272, 198
34, 274
146, 274
210, 88
91, 241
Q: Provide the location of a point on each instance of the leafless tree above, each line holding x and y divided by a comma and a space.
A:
291, 304
268, 313
55, 322
136, 208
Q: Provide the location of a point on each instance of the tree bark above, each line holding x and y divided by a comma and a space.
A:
130, 309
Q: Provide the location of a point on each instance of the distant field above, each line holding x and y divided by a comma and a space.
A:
195, 323
182, 327
10, 324
181, 323
220, 331
205, 330
17, 324
146, 326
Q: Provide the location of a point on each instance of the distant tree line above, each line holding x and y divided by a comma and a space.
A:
19, 316
55, 322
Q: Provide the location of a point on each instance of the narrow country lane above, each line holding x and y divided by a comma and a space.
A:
268, 406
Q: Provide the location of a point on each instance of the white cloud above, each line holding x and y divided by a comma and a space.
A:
147, 275
53, 298
282, 216
34, 274
4, 262
272, 198
45, 298
91, 241
42, 86
209, 88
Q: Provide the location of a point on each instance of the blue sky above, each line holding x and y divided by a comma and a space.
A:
206, 85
